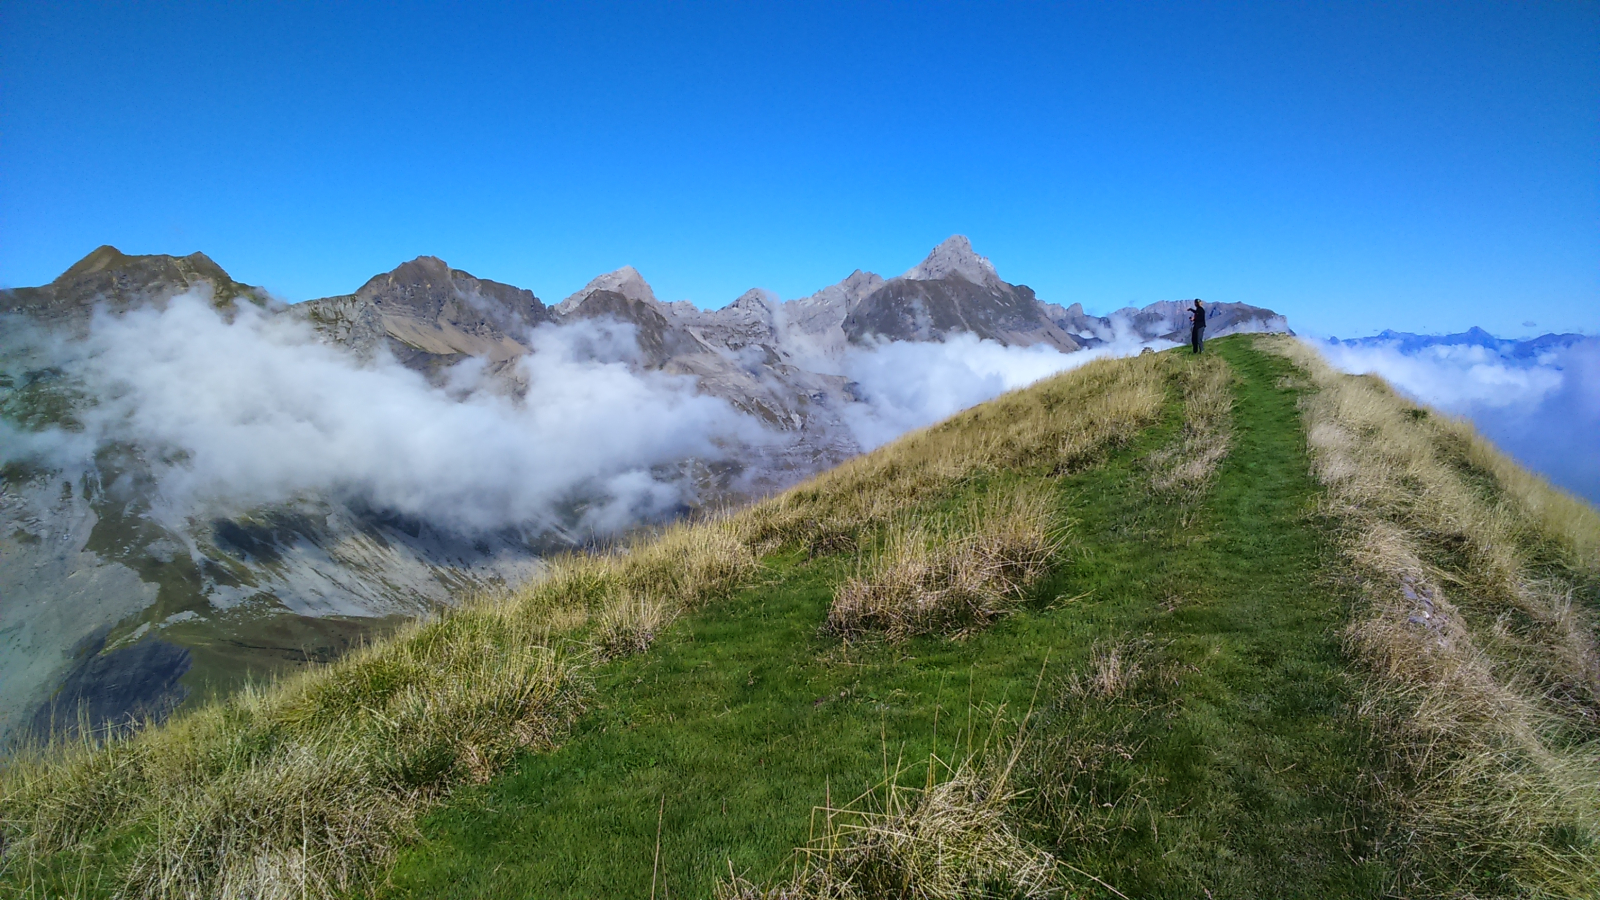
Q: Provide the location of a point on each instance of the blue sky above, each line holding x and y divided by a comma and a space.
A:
1420, 166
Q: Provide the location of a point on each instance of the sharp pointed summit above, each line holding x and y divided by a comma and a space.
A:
954, 290
625, 281
955, 257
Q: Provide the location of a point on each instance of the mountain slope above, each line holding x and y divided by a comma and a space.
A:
954, 290
752, 714
127, 611
1250, 618
117, 281
429, 316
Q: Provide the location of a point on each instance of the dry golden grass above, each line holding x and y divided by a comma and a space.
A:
303, 789
629, 625
1112, 671
1186, 467
306, 788
652, 579
1483, 667
952, 839
953, 573
1059, 425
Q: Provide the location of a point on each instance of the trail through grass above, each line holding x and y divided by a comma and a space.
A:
1223, 755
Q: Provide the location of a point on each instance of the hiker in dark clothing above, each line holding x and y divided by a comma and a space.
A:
1197, 326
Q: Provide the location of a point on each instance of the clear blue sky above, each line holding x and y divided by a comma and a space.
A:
1422, 166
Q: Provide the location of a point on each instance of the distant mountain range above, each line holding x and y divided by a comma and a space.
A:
1512, 348
110, 608
1536, 398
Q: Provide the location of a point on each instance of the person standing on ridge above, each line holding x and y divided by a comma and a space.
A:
1197, 326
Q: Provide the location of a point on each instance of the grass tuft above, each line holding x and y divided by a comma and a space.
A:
629, 625
952, 574
950, 840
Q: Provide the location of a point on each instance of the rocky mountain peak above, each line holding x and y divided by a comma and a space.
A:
119, 281
625, 281
101, 258
955, 257
758, 300
859, 284
431, 266
420, 272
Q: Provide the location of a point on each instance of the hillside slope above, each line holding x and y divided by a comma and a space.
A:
1163, 626
124, 597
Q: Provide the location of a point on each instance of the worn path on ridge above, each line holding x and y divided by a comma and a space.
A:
1245, 769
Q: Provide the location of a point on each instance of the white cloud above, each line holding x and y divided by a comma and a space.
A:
908, 385
1457, 378
236, 413
1544, 409
257, 411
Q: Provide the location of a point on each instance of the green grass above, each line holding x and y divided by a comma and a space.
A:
1221, 682
1235, 765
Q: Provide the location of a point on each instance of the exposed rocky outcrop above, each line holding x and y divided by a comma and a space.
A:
1163, 320
908, 310
429, 316
954, 290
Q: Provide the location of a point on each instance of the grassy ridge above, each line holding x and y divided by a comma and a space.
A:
307, 787
1190, 644
1224, 755
1477, 632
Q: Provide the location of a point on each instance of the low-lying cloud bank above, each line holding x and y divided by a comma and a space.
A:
253, 409
256, 411
911, 385
1542, 405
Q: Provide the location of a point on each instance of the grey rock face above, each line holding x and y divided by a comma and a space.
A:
954, 290
907, 309
429, 316
1163, 320
85, 558
955, 258
625, 281
660, 339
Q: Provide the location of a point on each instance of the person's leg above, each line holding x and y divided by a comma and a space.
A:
1194, 339
1199, 340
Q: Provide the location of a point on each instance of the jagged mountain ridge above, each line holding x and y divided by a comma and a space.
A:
109, 278
954, 290
428, 315
1520, 349
326, 565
